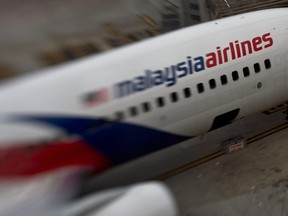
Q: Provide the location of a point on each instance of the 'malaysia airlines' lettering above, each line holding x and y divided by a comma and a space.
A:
170, 74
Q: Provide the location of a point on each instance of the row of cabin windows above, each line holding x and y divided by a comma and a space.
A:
174, 97
235, 76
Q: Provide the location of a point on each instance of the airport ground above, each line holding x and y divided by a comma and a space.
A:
205, 181
250, 182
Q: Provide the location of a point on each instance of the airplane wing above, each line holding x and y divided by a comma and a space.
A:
55, 194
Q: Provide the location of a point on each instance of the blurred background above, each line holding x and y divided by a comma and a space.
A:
39, 34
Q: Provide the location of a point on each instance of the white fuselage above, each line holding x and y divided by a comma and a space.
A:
185, 111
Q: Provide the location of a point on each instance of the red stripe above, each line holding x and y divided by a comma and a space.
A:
26, 161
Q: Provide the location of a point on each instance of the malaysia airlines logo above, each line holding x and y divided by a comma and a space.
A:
170, 74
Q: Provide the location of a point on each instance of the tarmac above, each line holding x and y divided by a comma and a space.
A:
253, 181
205, 181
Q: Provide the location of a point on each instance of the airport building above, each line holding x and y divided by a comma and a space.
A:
57, 32
193, 12
42, 34
171, 16
225, 8
183, 13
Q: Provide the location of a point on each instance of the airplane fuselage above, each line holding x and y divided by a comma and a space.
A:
159, 92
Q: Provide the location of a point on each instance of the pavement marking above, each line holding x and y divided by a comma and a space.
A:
217, 154
267, 133
276, 109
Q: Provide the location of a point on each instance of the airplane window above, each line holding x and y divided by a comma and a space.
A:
246, 71
212, 83
119, 116
235, 75
133, 111
200, 87
224, 79
160, 101
187, 92
267, 63
257, 67
146, 106
174, 97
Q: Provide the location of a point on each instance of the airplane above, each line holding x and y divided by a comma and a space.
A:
56, 193
111, 108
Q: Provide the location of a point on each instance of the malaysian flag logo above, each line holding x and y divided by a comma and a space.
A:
96, 98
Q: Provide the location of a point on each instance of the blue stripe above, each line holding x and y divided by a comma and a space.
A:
118, 141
